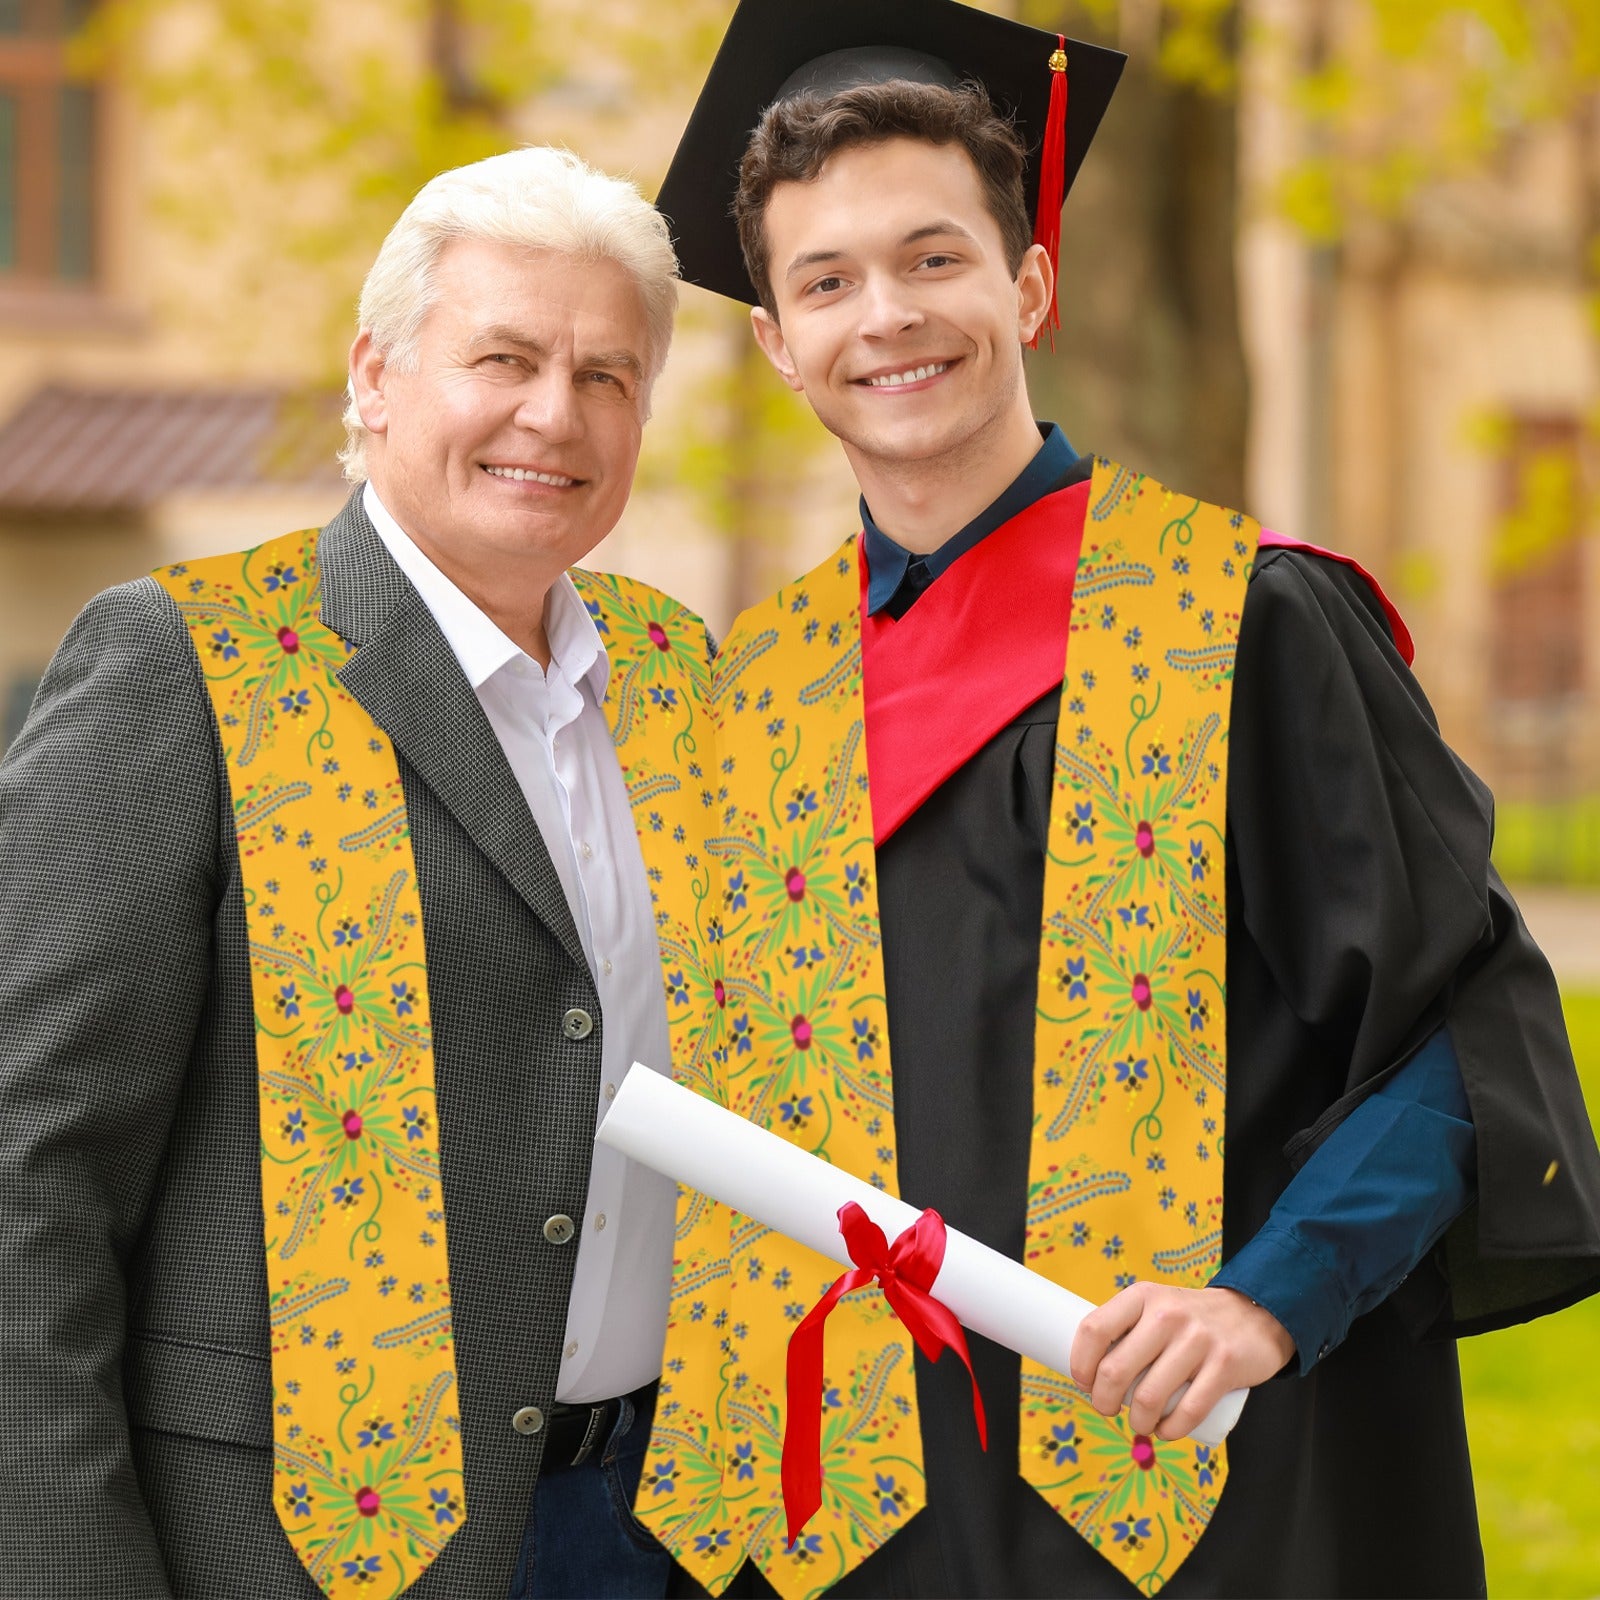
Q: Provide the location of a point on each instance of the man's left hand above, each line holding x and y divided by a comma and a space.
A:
1212, 1339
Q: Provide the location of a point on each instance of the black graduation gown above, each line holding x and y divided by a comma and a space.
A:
1362, 912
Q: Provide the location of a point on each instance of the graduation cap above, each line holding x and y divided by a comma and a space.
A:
775, 49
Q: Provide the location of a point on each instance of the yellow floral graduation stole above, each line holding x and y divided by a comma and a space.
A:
752, 813
367, 1476
771, 951
1125, 1175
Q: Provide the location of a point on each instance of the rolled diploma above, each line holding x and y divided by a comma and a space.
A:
684, 1136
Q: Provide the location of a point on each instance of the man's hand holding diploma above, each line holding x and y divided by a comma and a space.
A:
1215, 1340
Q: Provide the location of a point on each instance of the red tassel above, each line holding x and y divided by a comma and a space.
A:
1052, 182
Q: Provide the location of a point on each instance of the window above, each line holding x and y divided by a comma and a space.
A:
47, 147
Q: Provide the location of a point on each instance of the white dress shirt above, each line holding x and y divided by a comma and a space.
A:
556, 738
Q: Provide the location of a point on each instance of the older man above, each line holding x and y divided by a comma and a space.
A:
251, 791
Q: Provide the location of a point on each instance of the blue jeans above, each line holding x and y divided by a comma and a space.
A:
582, 1540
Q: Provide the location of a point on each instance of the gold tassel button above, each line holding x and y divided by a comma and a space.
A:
1058, 62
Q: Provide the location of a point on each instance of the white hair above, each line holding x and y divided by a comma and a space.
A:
537, 197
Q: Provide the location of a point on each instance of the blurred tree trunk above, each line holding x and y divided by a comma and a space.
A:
1148, 367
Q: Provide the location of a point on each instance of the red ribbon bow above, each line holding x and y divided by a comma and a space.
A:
906, 1270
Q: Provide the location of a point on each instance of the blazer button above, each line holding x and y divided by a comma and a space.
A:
530, 1419
559, 1229
577, 1024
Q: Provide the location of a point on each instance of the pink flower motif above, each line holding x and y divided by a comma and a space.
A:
1145, 837
658, 636
719, 992
345, 1001
1141, 992
367, 1502
1144, 1453
801, 1029
352, 1124
794, 880
289, 639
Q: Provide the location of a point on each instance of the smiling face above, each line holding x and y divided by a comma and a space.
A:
510, 446
898, 316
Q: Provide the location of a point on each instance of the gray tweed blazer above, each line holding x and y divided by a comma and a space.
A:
135, 1448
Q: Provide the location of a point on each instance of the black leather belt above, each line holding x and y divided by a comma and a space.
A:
575, 1433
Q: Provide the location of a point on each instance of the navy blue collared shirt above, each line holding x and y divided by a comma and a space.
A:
896, 577
1380, 1191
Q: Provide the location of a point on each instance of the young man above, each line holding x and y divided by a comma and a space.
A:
1217, 873
321, 907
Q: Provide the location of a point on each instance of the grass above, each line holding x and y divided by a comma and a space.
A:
1533, 1415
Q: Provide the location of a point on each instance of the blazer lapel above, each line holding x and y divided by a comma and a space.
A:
405, 675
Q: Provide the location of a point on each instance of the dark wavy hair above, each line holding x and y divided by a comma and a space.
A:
796, 138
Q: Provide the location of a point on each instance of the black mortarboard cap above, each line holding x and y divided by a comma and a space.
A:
776, 48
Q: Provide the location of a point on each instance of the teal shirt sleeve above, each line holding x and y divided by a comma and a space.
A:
1366, 1207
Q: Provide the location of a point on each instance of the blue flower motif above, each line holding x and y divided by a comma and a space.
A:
280, 577
744, 1460
444, 1506
346, 1194
1204, 1466
289, 1000
416, 1123
376, 1432
298, 1500
677, 988
891, 1501
665, 1472
1133, 638
1084, 812
296, 702
1155, 762
742, 1043
363, 1567
666, 698
1199, 1011
225, 646
1077, 988
866, 1038
1199, 861
1129, 1532
403, 998
294, 1126
802, 805
1066, 1443
711, 1541
1080, 1234
735, 893
797, 1110
1168, 1198
600, 623
1133, 1073
1134, 916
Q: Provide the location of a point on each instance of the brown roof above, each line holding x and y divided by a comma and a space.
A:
92, 450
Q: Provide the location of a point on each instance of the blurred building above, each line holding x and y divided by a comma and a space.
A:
1426, 396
